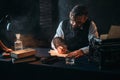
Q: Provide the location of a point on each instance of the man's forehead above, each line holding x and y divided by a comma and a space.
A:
75, 17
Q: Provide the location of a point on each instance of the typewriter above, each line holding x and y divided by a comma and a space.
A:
105, 52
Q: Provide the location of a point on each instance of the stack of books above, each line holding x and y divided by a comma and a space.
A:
25, 55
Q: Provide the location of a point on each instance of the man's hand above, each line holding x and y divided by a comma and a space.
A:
75, 54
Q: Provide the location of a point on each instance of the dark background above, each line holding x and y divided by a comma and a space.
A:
37, 20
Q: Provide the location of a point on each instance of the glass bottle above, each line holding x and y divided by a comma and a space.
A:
18, 43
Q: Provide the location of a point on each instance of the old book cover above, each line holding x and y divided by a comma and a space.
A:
23, 53
23, 60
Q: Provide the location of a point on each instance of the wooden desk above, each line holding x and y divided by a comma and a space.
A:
37, 70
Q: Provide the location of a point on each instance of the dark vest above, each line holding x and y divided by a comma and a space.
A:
76, 38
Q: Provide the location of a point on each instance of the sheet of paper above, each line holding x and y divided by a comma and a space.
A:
114, 32
55, 53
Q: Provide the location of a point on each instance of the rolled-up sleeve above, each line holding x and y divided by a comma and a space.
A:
59, 33
92, 33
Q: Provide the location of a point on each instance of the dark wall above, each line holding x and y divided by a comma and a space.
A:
24, 12
26, 16
25, 19
104, 12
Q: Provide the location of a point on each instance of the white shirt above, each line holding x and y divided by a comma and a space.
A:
92, 32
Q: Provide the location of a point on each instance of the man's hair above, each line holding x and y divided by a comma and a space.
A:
79, 10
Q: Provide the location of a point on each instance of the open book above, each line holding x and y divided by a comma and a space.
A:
55, 53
